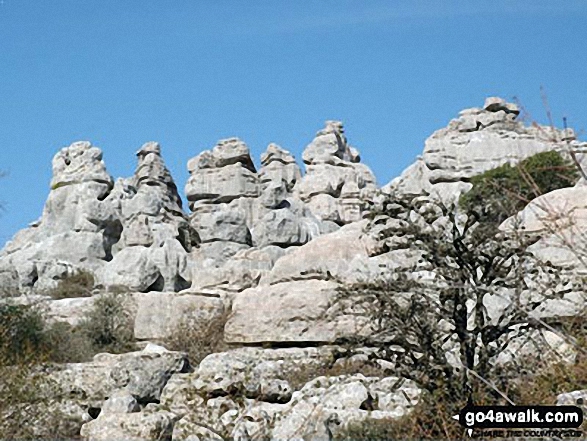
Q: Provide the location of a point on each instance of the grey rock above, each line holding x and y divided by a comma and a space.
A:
328, 257
282, 228
331, 165
290, 312
221, 223
160, 314
88, 221
222, 174
80, 162
144, 374
142, 426
478, 140
326, 405
279, 166
120, 402
188, 429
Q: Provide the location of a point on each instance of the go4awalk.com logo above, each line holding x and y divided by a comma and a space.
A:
521, 421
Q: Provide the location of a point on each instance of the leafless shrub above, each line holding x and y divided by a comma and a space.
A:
198, 337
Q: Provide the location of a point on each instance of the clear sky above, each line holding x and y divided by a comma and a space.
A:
189, 72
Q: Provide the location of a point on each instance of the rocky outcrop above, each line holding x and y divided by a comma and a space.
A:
142, 374
267, 251
132, 232
327, 405
480, 139
336, 186
156, 236
77, 229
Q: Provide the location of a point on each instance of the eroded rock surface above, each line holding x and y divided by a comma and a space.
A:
478, 140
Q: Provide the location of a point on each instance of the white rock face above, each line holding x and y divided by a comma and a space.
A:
258, 373
290, 312
141, 374
143, 426
120, 402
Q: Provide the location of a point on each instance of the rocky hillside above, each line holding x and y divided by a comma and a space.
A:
264, 253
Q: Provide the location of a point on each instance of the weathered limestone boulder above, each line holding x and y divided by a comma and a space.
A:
221, 223
336, 185
142, 426
188, 429
156, 235
71, 311
284, 228
120, 402
262, 374
279, 166
326, 405
222, 174
141, 374
293, 312
243, 270
335, 256
160, 314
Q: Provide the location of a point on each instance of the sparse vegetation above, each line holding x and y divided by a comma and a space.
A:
79, 284
198, 337
69, 344
108, 324
21, 333
29, 405
503, 191
432, 318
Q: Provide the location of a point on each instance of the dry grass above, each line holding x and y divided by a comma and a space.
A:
79, 284
198, 338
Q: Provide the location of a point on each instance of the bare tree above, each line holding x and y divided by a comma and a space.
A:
445, 318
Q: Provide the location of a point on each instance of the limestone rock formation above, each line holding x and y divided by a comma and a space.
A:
478, 140
336, 185
132, 232
77, 230
264, 253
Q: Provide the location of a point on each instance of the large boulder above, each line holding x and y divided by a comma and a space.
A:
142, 426
222, 174
298, 312
142, 374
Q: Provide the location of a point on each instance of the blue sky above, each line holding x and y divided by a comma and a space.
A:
187, 73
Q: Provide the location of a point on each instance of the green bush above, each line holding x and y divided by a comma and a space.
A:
21, 333
69, 344
503, 191
79, 284
108, 324
29, 407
